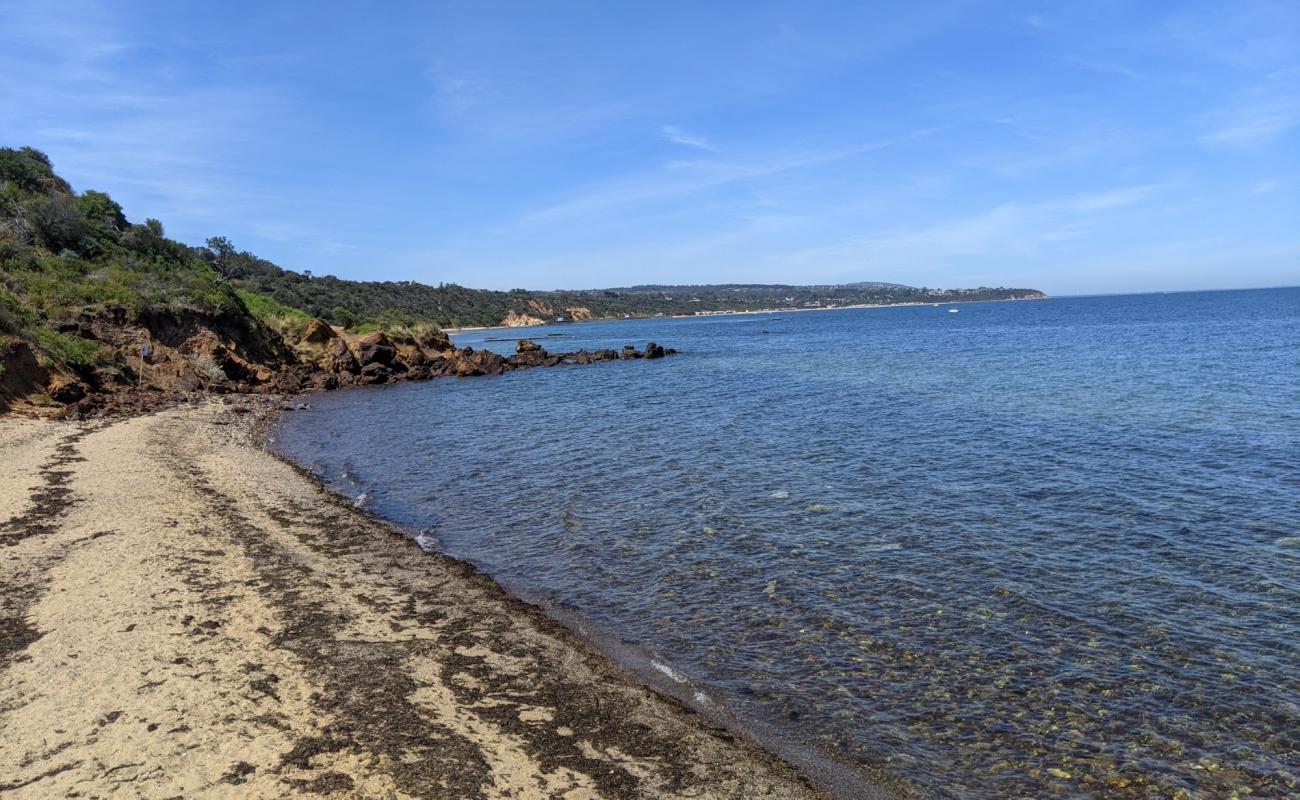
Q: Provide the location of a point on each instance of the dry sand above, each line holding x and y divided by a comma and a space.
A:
184, 615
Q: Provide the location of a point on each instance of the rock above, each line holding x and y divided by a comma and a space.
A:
631, 352
582, 357
653, 350
339, 358
325, 381
287, 383
818, 508
65, 389
432, 338
479, 362
529, 354
318, 331
374, 372
375, 348
782, 495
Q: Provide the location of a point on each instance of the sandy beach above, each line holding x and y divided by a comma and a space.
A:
182, 614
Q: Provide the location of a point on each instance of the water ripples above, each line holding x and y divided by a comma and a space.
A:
1034, 549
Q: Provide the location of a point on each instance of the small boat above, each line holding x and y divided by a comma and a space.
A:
953, 310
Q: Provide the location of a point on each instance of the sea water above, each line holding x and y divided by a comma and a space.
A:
1037, 548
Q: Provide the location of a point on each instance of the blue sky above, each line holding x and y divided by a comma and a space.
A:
1073, 147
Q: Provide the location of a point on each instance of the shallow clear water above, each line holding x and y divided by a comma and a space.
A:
1029, 549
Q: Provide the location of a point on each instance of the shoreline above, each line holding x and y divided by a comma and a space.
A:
837, 779
185, 612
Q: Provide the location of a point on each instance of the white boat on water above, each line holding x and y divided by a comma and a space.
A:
953, 310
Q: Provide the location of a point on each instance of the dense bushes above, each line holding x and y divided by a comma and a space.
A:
62, 253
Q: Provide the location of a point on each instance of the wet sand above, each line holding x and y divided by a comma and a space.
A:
184, 615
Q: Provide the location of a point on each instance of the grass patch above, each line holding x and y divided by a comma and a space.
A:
284, 320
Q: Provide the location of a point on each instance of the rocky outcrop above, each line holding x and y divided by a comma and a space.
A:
374, 348
318, 331
142, 362
478, 362
530, 354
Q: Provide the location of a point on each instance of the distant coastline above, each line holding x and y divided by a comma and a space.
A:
740, 313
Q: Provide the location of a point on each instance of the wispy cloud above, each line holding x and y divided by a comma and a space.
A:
1007, 229
680, 179
676, 135
164, 145
1254, 122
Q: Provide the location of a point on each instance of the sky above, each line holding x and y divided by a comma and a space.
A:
1076, 148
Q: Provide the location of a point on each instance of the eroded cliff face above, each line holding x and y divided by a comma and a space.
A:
131, 358
142, 362
514, 319
539, 313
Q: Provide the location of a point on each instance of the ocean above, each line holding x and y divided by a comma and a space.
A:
1030, 549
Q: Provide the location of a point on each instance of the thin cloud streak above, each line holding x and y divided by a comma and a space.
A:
686, 178
676, 135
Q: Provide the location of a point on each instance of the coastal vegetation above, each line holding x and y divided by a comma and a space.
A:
90, 301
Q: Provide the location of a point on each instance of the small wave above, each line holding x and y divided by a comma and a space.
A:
669, 671
1288, 541
782, 495
882, 547
427, 541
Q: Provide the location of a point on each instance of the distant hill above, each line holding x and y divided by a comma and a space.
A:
346, 302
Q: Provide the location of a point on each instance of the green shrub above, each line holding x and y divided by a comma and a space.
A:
15, 317
282, 319
70, 351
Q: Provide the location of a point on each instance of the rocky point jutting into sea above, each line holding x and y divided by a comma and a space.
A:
171, 357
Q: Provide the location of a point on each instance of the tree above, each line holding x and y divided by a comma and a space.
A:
223, 257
